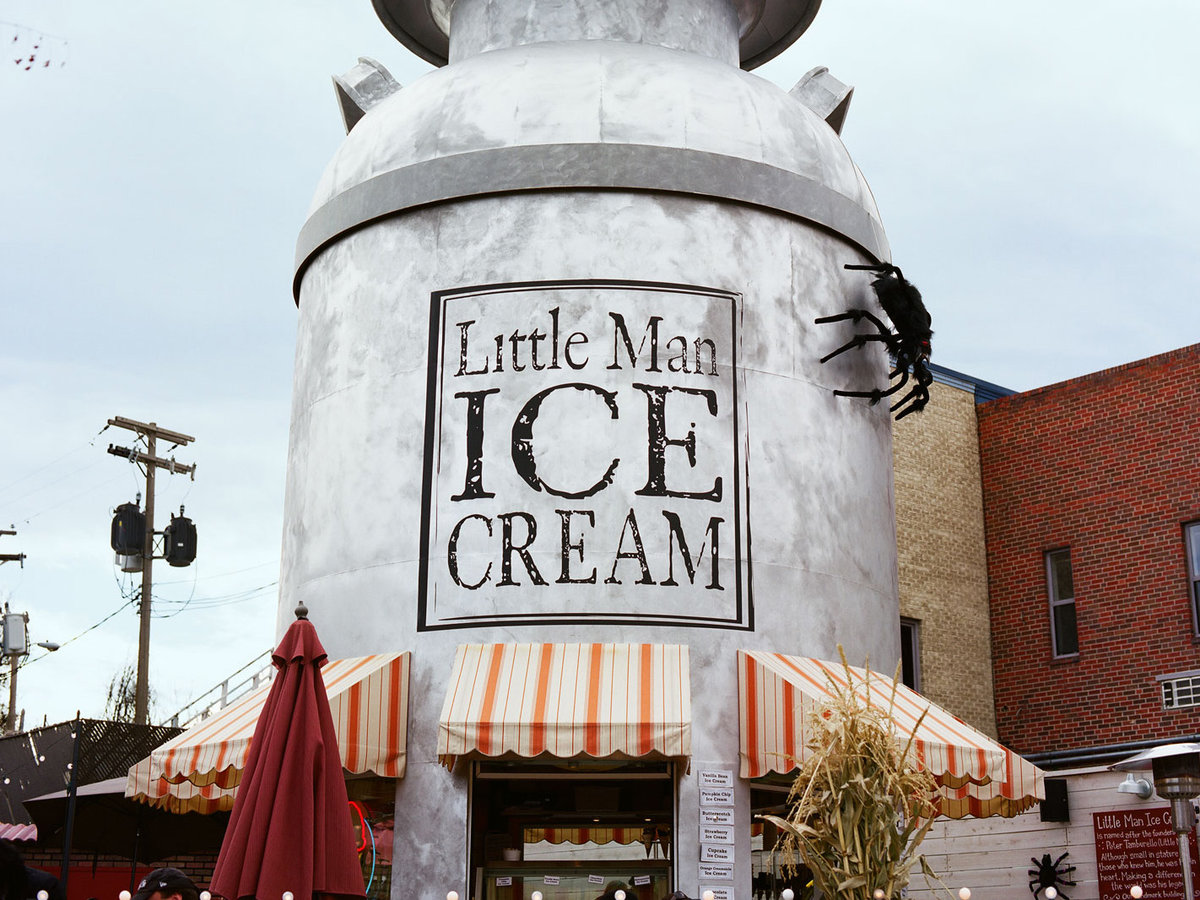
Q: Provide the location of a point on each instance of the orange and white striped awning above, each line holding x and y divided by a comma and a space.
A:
200, 769
776, 694
585, 834
567, 700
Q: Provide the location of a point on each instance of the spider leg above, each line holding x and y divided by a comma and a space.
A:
855, 342
875, 395
857, 315
914, 401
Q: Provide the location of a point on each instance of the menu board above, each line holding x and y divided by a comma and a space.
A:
717, 843
1137, 846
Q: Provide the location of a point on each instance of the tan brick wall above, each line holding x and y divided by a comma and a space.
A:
942, 554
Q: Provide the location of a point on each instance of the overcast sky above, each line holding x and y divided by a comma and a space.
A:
1037, 166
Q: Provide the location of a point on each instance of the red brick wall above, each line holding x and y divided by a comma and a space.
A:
1108, 465
103, 877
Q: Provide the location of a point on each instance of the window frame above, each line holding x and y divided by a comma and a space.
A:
1191, 552
1055, 601
910, 635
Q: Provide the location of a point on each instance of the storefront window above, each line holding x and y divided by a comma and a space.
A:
574, 831
768, 879
372, 810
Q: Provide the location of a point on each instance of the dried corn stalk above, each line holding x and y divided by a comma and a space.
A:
859, 805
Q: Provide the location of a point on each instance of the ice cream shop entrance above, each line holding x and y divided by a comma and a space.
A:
573, 830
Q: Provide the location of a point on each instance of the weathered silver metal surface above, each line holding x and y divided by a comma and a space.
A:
545, 167
593, 114
705, 27
817, 468
765, 28
557, 379
362, 87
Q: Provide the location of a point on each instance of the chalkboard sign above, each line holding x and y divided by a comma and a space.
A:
1137, 846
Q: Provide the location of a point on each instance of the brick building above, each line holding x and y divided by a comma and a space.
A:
941, 550
1091, 498
1090, 505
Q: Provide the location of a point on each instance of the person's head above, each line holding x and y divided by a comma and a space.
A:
164, 884
13, 883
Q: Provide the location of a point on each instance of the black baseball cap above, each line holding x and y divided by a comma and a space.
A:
167, 880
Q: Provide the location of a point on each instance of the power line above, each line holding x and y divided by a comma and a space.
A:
273, 562
30, 660
53, 462
45, 509
214, 602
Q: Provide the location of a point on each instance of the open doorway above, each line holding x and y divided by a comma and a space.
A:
573, 830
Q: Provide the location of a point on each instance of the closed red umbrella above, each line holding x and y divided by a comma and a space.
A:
290, 826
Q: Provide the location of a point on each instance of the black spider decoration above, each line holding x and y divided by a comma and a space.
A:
909, 343
1049, 874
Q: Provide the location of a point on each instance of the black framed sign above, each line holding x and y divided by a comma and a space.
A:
584, 457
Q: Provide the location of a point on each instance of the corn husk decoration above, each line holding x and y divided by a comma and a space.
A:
859, 807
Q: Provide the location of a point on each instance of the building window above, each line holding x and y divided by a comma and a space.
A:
910, 653
1061, 585
1191, 541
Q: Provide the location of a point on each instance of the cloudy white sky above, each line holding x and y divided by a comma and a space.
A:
1037, 165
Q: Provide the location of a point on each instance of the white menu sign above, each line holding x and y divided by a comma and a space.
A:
716, 796
716, 853
716, 834
716, 871
712, 778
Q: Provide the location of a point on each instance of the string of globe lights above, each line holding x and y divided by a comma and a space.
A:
964, 893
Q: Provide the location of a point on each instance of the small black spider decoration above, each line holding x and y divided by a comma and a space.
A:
909, 343
1049, 874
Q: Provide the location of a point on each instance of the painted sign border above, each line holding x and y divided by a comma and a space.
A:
743, 617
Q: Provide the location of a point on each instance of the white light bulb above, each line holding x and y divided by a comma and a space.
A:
205, 895
707, 895
288, 895
452, 895
879, 894
788, 894
1136, 892
536, 895
43, 895
124, 895
1051, 893
964, 893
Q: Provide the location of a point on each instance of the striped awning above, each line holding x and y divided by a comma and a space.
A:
567, 700
976, 775
200, 769
17, 832
590, 835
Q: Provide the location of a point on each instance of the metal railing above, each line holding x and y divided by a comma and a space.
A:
257, 672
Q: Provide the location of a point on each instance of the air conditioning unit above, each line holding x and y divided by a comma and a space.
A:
1181, 690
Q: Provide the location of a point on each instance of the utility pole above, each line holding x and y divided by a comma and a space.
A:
148, 432
11, 557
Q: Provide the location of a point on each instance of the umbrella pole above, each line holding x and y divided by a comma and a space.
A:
137, 840
72, 784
